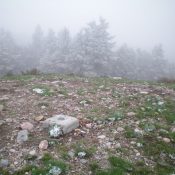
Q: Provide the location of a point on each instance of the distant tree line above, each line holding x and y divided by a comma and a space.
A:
91, 52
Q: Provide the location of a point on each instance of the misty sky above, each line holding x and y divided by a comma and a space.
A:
139, 23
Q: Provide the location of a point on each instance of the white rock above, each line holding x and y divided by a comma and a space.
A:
38, 90
137, 154
67, 123
32, 152
131, 114
173, 129
144, 92
1, 108
101, 137
167, 140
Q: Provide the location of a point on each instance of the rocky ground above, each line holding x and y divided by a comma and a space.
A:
126, 127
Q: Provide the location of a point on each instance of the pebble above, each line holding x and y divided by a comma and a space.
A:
1, 108
120, 129
2, 122
131, 114
26, 126
101, 137
137, 154
22, 136
39, 118
166, 140
12, 150
173, 130
43, 145
89, 125
4, 163
32, 152
118, 145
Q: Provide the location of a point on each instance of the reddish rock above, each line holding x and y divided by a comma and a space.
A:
26, 126
43, 145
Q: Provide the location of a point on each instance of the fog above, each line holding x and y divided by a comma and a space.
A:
138, 23
141, 24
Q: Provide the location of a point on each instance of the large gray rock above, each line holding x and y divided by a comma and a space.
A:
67, 123
22, 136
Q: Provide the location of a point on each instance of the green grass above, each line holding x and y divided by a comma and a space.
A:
119, 166
46, 164
47, 91
82, 148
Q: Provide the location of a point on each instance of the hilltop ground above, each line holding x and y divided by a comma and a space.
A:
126, 127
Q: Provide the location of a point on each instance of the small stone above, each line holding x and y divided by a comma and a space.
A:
108, 145
173, 130
133, 142
15, 163
131, 114
38, 90
1, 108
4, 163
101, 137
139, 145
2, 122
166, 140
138, 132
22, 136
71, 154
83, 161
120, 129
43, 107
32, 153
118, 145
43, 145
26, 126
4, 98
12, 150
137, 154
9, 120
89, 125
144, 92
39, 118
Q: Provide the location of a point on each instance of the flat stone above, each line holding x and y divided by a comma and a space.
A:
43, 145
4, 98
4, 163
101, 137
173, 130
67, 123
32, 153
120, 129
2, 122
22, 136
131, 114
166, 140
1, 108
39, 118
26, 126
